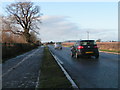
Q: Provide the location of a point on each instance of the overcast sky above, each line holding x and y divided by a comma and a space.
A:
71, 20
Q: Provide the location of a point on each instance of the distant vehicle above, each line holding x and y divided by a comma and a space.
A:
86, 48
58, 45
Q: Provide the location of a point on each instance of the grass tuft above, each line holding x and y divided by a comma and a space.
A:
51, 75
110, 50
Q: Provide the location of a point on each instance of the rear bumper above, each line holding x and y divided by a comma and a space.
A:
88, 54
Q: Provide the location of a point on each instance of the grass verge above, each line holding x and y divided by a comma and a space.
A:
110, 51
51, 75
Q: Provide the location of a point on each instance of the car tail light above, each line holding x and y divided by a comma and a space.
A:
95, 46
80, 47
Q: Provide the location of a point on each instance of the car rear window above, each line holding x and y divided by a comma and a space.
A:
58, 43
92, 42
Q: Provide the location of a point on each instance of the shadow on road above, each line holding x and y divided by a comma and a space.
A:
84, 59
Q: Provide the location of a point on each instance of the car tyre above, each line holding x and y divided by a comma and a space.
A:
76, 55
97, 56
72, 55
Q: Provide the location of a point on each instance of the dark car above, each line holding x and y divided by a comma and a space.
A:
86, 48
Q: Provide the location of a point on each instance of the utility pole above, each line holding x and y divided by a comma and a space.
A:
88, 35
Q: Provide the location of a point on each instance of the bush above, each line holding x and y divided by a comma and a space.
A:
10, 50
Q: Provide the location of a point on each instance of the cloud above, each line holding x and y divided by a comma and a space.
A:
56, 28
60, 28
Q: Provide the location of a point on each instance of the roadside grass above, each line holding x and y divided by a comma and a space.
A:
110, 51
51, 75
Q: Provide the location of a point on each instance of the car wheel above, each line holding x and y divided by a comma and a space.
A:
76, 55
72, 55
97, 56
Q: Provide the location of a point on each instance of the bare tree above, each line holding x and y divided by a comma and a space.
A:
26, 14
10, 31
6, 23
33, 37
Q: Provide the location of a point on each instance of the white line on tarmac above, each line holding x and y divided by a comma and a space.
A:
58, 60
28, 56
65, 72
37, 83
110, 52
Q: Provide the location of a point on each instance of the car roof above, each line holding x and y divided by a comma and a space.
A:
58, 42
86, 40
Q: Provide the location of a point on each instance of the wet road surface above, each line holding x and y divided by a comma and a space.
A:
22, 71
90, 72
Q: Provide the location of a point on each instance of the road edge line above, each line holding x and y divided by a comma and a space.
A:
110, 52
65, 72
13, 67
38, 79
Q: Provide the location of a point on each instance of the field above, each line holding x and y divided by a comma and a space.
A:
106, 46
112, 46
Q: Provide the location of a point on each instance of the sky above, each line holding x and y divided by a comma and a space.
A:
63, 21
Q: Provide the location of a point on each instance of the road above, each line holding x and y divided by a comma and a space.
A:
23, 70
90, 72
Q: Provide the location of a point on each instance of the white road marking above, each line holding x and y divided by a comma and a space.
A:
28, 56
65, 72
110, 52
37, 83
58, 59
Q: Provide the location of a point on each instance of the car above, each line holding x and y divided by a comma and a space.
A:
85, 48
58, 45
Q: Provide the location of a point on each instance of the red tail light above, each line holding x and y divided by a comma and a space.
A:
95, 46
80, 47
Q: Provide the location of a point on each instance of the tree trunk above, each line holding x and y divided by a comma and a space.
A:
27, 35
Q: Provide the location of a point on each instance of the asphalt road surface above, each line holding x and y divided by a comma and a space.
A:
22, 71
90, 72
